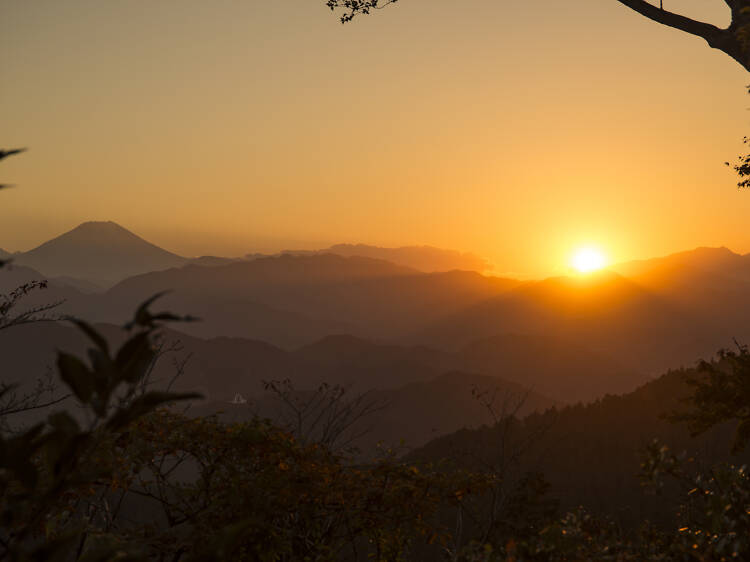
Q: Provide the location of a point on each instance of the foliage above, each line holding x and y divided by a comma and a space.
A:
733, 40
204, 476
126, 480
352, 8
53, 464
742, 167
714, 518
721, 393
9, 302
328, 415
713, 522
4, 154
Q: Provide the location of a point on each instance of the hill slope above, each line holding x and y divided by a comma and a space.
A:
645, 330
293, 300
591, 454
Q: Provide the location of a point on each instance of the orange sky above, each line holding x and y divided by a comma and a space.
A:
516, 130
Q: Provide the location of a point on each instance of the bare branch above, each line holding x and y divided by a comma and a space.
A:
35, 314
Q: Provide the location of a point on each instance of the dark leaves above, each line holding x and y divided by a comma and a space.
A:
76, 375
11, 152
742, 167
144, 319
92, 334
353, 8
721, 393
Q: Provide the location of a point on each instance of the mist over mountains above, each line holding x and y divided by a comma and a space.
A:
440, 355
605, 331
102, 253
427, 259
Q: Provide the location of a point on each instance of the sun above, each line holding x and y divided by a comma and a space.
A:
586, 260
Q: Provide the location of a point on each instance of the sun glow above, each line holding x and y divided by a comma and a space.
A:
586, 260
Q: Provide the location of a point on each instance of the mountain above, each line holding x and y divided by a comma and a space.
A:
591, 454
427, 259
703, 278
4, 254
98, 252
222, 367
402, 417
671, 311
551, 366
14, 276
212, 261
293, 300
418, 393
645, 330
720, 261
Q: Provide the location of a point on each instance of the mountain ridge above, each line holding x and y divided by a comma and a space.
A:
101, 252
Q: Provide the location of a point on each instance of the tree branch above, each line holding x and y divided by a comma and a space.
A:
671, 19
725, 40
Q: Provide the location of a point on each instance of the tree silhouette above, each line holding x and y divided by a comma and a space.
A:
733, 40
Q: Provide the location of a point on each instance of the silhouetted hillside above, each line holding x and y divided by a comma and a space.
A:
293, 300
721, 261
427, 259
57, 289
221, 367
551, 366
212, 261
604, 312
670, 314
99, 252
405, 416
591, 453
711, 282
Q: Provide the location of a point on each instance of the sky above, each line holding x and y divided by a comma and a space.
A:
515, 130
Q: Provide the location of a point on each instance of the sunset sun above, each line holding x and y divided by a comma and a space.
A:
586, 260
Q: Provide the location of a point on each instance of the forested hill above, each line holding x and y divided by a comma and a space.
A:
591, 454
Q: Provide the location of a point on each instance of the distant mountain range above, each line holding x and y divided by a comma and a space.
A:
420, 342
427, 259
222, 367
407, 416
292, 300
591, 454
638, 317
96, 255
423, 392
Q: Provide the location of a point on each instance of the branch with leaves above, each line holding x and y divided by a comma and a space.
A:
41, 467
733, 40
353, 8
721, 393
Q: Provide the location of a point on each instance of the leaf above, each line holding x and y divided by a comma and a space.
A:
142, 316
76, 375
134, 357
93, 335
145, 319
102, 369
